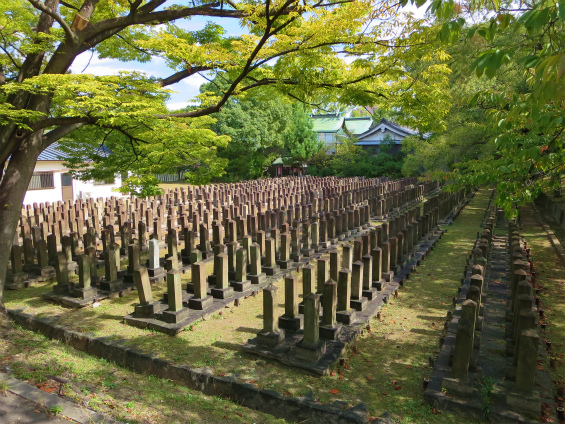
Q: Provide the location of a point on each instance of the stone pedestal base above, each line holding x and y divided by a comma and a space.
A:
149, 310
346, 317
292, 324
296, 257
241, 286
199, 304
307, 252
155, 272
186, 260
309, 353
285, 264
371, 293
271, 270
47, 271
270, 339
61, 288
325, 244
111, 286
212, 280
257, 279
175, 317
222, 293
525, 403
84, 292
330, 333
358, 304
379, 285
17, 278
388, 276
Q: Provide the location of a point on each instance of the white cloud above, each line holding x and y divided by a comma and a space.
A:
195, 80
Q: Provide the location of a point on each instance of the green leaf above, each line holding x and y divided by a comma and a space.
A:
531, 61
471, 33
561, 10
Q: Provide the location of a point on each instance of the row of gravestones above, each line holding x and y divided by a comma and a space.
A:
342, 289
233, 261
470, 322
236, 229
72, 217
521, 315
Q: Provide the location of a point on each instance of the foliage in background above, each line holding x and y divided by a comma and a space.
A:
350, 160
262, 126
313, 51
523, 47
300, 141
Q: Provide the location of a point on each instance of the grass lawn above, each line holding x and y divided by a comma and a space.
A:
384, 368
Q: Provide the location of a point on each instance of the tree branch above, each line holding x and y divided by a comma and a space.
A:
98, 32
185, 73
51, 122
58, 133
47, 10
70, 6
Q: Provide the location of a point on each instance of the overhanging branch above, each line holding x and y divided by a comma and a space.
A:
43, 8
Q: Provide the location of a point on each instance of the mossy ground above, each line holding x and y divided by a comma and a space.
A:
383, 368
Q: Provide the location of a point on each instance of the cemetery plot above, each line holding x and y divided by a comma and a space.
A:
339, 240
489, 362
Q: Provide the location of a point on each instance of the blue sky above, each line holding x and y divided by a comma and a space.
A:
185, 90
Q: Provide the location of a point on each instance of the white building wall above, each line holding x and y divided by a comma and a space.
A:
80, 189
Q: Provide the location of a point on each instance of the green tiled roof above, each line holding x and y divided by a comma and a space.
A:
327, 123
358, 126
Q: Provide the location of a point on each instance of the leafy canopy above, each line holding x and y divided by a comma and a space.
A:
352, 52
517, 90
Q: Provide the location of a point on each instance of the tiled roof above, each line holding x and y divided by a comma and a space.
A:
358, 126
54, 153
326, 123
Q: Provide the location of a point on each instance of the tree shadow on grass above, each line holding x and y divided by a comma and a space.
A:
227, 345
250, 330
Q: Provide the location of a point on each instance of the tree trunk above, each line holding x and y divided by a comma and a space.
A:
12, 191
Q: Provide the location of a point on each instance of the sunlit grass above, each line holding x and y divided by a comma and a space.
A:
384, 368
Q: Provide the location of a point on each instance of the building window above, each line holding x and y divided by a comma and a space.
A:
41, 180
105, 182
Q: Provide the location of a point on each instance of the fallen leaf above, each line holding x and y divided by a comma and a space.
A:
334, 391
332, 373
408, 367
397, 388
393, 382
368, 378
253, 381
239, 414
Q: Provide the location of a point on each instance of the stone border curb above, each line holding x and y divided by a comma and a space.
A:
71, 410
293, 409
